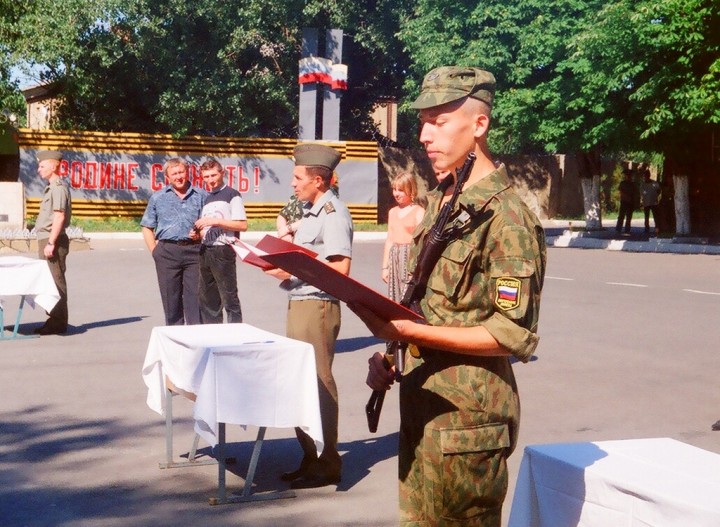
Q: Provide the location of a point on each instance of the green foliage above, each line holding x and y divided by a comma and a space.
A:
133, 225
655, 64
573, 75
579, 75
206, 67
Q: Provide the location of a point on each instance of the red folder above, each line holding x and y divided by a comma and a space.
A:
269, 244
247, 253
303, 264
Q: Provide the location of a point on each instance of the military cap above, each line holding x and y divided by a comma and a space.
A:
451, 83
44, 155
315, 155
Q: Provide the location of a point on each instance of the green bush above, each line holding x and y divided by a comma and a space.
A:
133, 225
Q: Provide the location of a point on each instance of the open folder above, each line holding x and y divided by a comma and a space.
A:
303, 264
253, 254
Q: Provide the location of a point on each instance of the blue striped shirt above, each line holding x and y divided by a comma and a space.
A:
172, 217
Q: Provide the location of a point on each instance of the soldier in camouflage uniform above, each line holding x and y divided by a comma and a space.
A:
458, 399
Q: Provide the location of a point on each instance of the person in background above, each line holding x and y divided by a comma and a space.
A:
288, 219
402, 221
459, 404
314, 316
628, 199
222, 220
53, 242
649, 197
168, 228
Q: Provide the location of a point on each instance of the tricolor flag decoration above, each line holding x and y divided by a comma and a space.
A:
316, 69
339, 77
507, 292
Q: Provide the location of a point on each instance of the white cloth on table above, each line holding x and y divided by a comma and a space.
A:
29, 277
240, 374
633, 483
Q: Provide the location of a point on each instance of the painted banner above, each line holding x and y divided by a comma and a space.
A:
109, 168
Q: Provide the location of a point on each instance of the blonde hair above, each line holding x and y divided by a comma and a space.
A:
173, 161
406, 182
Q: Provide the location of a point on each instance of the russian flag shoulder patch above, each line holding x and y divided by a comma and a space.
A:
507, 293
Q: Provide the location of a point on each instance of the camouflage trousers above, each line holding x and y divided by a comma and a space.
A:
459, 423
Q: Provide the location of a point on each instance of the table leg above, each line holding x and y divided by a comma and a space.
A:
254, 461
17, 323
247, 494
169, 456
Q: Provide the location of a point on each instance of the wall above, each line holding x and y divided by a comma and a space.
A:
114, 174
548, 184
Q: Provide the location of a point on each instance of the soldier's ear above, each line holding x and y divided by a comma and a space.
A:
482, 124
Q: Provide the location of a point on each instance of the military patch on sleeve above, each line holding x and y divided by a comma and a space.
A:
507, 293
329, 208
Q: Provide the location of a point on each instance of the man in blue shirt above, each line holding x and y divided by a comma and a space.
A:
168, 228
223, 218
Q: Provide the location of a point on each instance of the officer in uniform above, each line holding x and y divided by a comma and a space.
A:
313, 315
53, 242
459, 403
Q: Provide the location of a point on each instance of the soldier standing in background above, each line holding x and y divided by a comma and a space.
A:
53, 242
650, 197
628, 201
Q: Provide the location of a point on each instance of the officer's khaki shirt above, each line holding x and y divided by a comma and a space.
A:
56, 196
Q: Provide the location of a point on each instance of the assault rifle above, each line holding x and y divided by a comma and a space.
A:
434, 244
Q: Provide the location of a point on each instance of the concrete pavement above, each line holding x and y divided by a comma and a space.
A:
79, 447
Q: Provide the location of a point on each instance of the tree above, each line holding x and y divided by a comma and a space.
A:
658, 63
226, 68
539, 105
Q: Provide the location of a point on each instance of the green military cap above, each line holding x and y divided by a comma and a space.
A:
315, 155
451, 83
43, 155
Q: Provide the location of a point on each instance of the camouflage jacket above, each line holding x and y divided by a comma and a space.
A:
492, 272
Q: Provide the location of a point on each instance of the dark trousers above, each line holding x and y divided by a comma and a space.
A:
626, 212
218, 285
178, 272
653, 209
58, 317
318, 323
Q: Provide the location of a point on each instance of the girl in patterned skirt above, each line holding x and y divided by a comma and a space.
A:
402, 220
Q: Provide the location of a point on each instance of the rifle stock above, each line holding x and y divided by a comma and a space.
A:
434, 244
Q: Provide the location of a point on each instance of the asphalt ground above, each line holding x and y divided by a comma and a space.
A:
628, 350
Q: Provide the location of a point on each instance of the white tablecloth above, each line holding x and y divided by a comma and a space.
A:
633, 483
241, 375
28, 277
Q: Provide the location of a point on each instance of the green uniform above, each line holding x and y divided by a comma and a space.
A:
460, 414
55, 197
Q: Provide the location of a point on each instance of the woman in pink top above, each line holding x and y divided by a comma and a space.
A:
402, 221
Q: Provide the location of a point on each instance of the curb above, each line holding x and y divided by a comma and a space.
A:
569, 240
248, 236
651, 246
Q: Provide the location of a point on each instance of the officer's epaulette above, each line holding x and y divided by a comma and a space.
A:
329, 208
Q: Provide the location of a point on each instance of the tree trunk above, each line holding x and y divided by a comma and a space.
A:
682, 205
589, 169
591, 202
